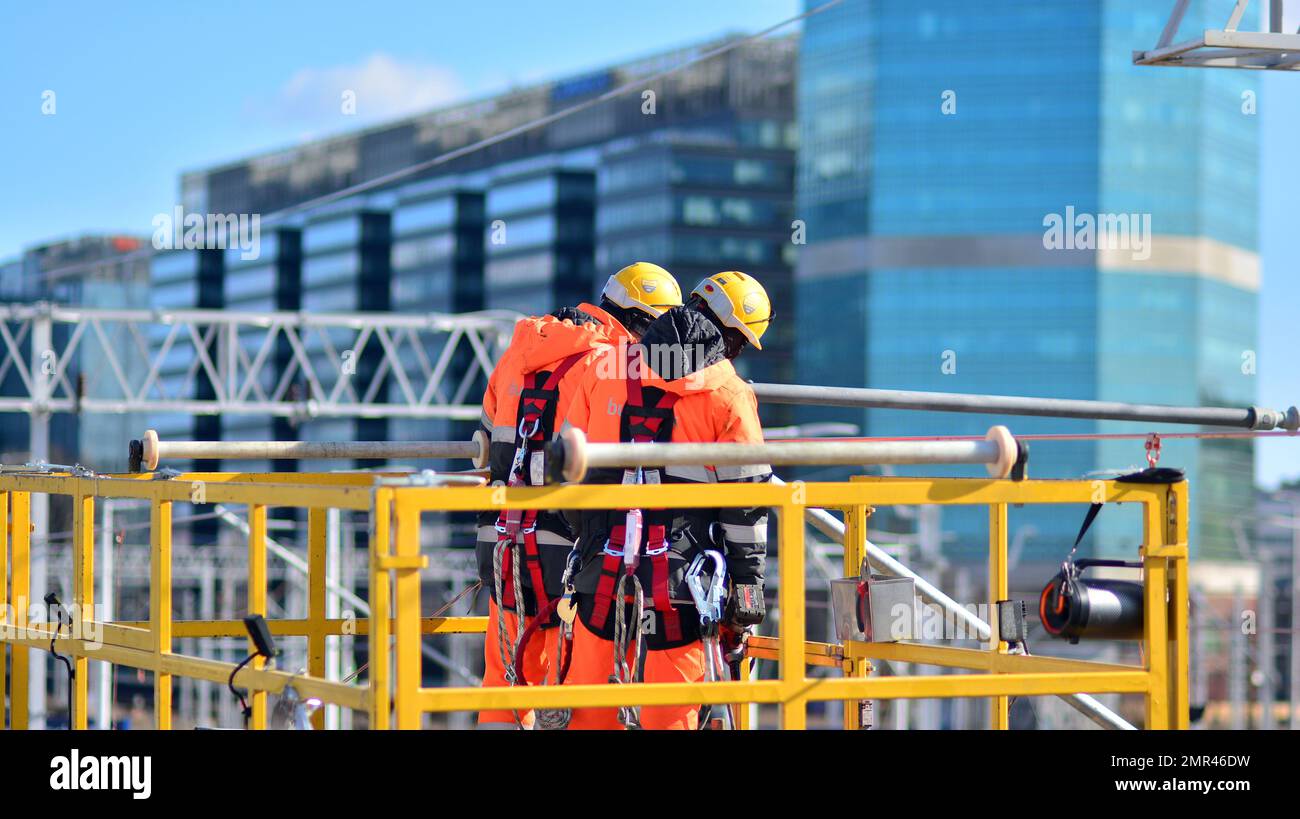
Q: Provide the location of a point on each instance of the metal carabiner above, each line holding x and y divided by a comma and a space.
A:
571, 565
707, 603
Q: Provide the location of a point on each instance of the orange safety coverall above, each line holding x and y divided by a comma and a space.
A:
712, 405
539, 346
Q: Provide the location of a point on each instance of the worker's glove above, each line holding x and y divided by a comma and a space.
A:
745, 606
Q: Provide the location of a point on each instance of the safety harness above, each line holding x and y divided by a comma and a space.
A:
536, 423
641, 424
518, 527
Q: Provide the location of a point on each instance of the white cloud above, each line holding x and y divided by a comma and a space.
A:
383, 86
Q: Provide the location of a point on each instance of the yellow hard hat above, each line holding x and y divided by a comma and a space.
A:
738, 301
643, 286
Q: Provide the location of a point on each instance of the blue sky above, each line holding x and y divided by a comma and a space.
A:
145, 90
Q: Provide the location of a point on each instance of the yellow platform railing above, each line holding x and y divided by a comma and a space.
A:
396, 625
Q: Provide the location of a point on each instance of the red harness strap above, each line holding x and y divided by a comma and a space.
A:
643, 427
513, 522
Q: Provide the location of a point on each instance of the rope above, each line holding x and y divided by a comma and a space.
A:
629, 715
555, 719
503, 637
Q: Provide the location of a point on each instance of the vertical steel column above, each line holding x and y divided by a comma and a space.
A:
333, 610
43, 361
379, 652
316, 526
794, 708
160, 605
257, 598
1295, 618
4, 598
228, 650
1238, 699
855, 535
1180, 609
409, 656
1266, 645
20, 541
83, 595
998, 590
1155, 603
104, 690
207, 611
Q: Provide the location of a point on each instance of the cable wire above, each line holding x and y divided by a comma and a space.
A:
486, 142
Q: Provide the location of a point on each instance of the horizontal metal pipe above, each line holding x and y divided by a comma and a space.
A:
266, 450
998, 452
152, 450
792, 453
881, 561
1246, 418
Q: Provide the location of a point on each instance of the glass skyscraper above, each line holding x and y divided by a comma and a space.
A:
940, 140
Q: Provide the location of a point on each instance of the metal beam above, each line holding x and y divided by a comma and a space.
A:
998, 452
151, 451
1244, 417
1172, 24
156, 361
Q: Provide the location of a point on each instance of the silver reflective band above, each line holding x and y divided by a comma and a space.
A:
503, 434
698, 474
745, 533
489, 534
737, 473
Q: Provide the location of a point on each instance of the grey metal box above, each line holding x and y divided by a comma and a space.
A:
890, 609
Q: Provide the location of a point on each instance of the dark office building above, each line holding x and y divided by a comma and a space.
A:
694, 173
540, 239
697, 208
88, 271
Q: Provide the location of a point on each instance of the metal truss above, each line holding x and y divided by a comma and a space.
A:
1271, 50
284, 364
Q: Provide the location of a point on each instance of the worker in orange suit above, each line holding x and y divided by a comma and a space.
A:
522, 554
679, 386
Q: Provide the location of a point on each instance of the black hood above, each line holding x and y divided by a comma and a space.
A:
681, 342
576, 315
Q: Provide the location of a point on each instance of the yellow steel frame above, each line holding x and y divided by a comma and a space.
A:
393, 694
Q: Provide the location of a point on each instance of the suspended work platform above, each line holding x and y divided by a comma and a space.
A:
395, 506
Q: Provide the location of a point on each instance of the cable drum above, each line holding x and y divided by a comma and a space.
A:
1075, 608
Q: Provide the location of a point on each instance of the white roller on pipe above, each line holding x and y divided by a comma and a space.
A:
153, 450
998, 452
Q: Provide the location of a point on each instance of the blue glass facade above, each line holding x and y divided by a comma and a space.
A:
698, 207
937, 137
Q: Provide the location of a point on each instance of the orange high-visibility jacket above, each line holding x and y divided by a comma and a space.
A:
539, 346
713, 405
